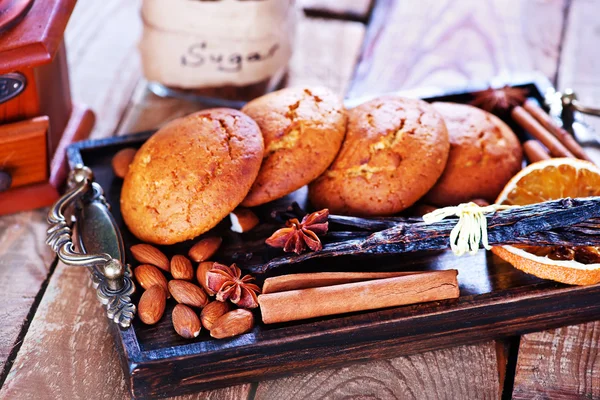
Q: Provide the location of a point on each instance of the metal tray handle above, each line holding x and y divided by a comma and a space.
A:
112, 280
570, 103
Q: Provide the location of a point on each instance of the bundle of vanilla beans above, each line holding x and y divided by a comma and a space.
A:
564, 222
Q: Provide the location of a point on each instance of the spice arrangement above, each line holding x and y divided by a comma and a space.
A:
225, 315
285, 298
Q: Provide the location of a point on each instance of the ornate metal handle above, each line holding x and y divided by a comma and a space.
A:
111, 278
569, 101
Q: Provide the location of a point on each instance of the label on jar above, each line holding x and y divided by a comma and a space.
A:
209, 43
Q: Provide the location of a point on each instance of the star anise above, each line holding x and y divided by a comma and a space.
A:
228, 283
499, 100
298, 236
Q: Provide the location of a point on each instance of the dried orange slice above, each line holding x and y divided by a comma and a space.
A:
549, 180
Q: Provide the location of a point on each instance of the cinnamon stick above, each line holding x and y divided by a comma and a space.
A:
284, 283
562, 135
531, 125
358, 296
535, 151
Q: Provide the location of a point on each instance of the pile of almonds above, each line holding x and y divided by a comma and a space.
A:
219, 316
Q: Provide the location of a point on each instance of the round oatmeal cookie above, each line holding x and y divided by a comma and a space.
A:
303, 129
484, 154
190, 175
395, 150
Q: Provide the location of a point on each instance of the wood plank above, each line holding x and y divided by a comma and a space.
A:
465, 372
147, 111
578, 65
565, 363
560, 364
24, 264
331, 62
452, 43
344, 9
104, 65
68, 352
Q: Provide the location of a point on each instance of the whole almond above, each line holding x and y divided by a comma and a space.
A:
212, 312
243, 220
148, 275
480, 202
233, 323
205, 248
201, 272
146, 254
121, 160
185, 321
181, 268
187, 293
152, 304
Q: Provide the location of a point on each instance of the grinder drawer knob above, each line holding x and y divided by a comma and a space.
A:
5, 180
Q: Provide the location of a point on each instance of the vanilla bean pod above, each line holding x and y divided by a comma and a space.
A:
369, 224
565, 222
244, 252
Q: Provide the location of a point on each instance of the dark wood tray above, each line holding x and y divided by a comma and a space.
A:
496, 301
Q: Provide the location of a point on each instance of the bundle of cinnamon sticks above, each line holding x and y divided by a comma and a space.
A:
556, 141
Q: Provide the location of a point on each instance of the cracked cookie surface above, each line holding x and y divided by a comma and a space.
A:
190, 175
395, 150
303, 129
484, 154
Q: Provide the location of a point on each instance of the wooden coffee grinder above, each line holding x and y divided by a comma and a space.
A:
37, 118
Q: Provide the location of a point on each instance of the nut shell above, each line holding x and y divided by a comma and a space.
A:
148, 275
243, 220
185, 321
212, 312
202, 276
121, 160
152, 305
187, 293
181, 268
205, 248
233, 323
147, 254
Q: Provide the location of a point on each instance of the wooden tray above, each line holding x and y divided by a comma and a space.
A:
496, 301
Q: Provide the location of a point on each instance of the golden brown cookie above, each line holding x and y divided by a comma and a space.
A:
484, 154
395, 150
303, 129
190, 175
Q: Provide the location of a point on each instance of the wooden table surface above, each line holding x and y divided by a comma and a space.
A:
54, 341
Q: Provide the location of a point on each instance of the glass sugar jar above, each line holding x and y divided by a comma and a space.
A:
218, 52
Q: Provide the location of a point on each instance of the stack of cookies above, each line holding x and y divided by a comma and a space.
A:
377, 159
